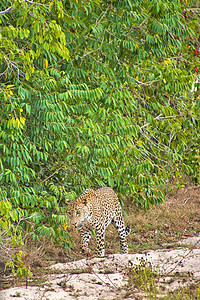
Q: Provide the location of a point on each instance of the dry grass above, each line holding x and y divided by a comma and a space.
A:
163, 225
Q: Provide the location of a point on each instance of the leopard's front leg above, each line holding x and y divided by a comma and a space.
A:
85, 235
100, 238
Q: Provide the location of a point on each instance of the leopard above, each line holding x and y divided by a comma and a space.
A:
95, 210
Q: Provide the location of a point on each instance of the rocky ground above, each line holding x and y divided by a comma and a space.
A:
107, 278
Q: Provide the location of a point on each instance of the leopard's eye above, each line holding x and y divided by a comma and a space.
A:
78, 212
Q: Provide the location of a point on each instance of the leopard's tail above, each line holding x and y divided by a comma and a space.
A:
127, 230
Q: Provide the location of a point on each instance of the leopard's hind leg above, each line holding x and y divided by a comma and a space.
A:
122, 232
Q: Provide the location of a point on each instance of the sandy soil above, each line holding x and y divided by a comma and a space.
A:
105, 278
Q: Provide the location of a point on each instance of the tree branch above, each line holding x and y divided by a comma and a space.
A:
5, 11
102, 16
86, 54
12, 65
55, 172
160, 118
28, 1
34, 3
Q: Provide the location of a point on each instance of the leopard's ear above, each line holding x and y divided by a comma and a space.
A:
87, 194
67, 201
84, 201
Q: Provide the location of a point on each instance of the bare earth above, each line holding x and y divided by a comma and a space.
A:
105, 278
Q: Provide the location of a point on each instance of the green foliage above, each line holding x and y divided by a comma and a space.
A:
17, 266
187, 292
144, 278
94, 93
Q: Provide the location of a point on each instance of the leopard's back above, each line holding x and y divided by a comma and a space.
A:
108, 202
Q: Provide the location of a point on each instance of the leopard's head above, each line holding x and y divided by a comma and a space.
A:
79, 210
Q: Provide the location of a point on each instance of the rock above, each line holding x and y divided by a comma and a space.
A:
105, 277
191, 241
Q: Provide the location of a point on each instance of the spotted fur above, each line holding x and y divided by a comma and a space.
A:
96, 210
